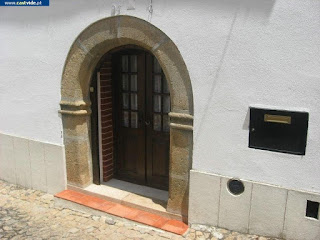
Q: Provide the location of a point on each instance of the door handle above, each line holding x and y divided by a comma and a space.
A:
147, 123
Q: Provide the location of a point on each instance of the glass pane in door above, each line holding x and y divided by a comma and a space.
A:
134, 82
166, 127
124, 63
134, 120
157, 122
125, 118
133, 63
134, 101
166, 104
157, 83
157, 103
165, 86
125, 83
156, 66
125, 100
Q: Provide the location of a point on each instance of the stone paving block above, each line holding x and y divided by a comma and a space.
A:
31, 214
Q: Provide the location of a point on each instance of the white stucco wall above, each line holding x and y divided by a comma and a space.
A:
238, 53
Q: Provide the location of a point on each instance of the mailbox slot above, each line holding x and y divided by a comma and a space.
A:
278, 130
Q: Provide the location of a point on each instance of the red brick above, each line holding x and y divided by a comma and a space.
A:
106, 111
107, 162
106, 104
106, 117
106, 151
107, 168
105, 90
106, 100
105, 94
105, 83
107, 178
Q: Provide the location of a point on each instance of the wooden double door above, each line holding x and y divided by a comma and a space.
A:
142, 104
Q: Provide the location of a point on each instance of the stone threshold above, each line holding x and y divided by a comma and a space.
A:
132, 195
119, 210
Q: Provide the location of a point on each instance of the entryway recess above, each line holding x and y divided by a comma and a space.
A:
85, 53
133, 123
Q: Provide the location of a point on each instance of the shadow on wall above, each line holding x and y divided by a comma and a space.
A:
258, 9
61, 9
246, 122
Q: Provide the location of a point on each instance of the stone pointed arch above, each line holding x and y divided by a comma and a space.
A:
88, 48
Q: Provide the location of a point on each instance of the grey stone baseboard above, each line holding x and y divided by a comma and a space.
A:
261, 209
32, 164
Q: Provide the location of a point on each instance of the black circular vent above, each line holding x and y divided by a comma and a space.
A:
236, 187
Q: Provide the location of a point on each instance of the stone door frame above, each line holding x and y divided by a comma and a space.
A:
84, 54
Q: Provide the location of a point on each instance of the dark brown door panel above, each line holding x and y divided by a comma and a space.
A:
142, 123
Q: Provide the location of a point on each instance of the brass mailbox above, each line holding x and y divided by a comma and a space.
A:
278, 130
277, 119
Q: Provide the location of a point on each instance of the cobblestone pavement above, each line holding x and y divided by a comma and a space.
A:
31, 214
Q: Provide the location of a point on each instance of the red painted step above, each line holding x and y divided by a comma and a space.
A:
119, 210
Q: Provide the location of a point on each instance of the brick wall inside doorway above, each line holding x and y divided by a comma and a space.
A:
106, 118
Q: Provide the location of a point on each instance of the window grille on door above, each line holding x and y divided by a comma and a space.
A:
129, 91
161, 98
